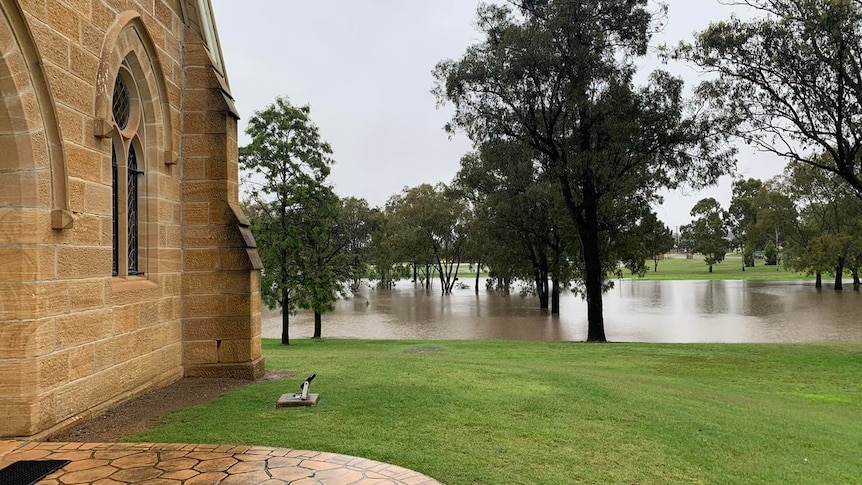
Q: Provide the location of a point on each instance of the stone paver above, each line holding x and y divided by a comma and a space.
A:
153, 463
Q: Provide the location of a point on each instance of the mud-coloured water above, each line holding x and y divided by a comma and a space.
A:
636, 311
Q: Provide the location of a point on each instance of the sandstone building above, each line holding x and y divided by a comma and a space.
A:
125, 261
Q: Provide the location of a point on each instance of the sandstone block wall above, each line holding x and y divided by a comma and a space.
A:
73, 338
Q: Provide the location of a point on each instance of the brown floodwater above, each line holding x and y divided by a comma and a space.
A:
635, 311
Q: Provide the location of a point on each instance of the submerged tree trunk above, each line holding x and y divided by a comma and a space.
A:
586, 219
478, 271
593, 279
317, 325
856, 282
818, 281
555, 296
285, 317
542, 290
839, 276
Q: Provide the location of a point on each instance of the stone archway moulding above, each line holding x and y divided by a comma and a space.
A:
61, 217
112, 58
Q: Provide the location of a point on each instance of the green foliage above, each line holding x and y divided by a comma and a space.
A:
518, 228
553, 413
295, 218
742, 216
828, 230
428, 225
358, 226
648, 239
789, 81
708, 231
557, 76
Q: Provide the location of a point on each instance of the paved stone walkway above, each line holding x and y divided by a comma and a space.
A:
166, 464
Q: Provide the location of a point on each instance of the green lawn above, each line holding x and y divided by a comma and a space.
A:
554, 413
729, 269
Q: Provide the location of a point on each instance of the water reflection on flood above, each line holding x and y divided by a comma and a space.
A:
637, 311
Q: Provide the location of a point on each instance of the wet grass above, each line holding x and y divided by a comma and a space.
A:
554, 413
674, 268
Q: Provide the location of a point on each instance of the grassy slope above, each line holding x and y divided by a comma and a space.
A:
729, 269
511, 412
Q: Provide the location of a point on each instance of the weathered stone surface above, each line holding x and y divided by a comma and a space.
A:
77, 328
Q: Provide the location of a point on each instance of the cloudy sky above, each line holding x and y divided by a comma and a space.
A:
365, 66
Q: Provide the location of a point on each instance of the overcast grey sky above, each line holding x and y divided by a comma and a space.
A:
365, 66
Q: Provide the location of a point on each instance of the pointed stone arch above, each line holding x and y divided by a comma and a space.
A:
127, 42
28, 118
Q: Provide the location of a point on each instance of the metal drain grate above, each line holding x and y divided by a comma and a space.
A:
28, 472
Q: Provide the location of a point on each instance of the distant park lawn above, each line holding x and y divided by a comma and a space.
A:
676, 267
554, 413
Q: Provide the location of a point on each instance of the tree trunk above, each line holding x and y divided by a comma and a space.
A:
588, 231
856, 282
655, 265
818, 281
542, 290
427, 275
285, 317
710, 268
478, 271
555, 296
415, 273
317, 325
839, 276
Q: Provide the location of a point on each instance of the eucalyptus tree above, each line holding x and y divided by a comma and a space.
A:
557, 75
519, 217
742, 217
358, 225
708, 231
830, 215
285, 160
321, 259
429, 224
648, 238
790, 81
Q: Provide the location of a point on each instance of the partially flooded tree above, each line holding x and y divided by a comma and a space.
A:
428, 222
557, 75
284, 160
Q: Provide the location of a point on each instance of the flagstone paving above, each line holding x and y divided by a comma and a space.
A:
167, 464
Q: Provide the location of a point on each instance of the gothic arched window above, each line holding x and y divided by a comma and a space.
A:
127, 166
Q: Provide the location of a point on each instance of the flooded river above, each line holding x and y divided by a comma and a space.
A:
635, 311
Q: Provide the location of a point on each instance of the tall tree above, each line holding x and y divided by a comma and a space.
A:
285, 157
429, 222
742, 217
649, 238
708, 231
557, 75
321, 259
829, 217
790, 82
357, 222
520, 221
